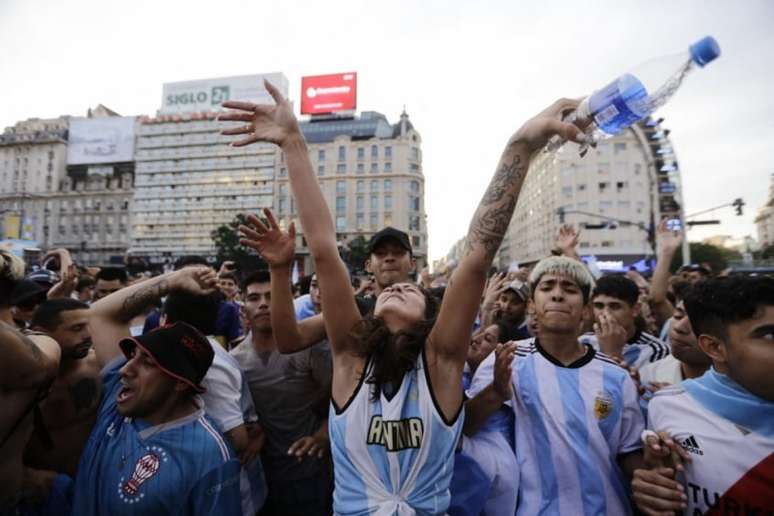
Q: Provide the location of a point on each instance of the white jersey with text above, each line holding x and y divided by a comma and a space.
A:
729, 434
642, 349
393, 456
572, 423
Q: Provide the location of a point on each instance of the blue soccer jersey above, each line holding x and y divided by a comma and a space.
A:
643, 349
129, 467
393, 455
572, 422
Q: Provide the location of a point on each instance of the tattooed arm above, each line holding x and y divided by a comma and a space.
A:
448, 342
28, 360
110, 315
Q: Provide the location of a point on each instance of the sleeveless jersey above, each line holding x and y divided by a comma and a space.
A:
393, 455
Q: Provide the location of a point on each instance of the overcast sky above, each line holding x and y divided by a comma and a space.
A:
469, 74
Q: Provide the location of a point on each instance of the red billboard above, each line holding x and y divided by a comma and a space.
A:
328, 93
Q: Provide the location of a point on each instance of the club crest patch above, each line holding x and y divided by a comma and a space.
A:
603, 405
146, 467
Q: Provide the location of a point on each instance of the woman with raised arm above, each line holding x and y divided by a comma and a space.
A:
397, 374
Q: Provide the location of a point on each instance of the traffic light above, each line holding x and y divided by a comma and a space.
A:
560, 212
738, 204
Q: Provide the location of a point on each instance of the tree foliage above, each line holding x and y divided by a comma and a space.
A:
226, 240
716, 257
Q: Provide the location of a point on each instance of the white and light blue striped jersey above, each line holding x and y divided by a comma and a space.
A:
129, 467
393, 456
643, 349
572, 423
729, 434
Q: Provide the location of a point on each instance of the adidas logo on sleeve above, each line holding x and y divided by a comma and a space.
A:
691, 445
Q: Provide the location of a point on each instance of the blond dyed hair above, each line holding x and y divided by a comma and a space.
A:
563, 266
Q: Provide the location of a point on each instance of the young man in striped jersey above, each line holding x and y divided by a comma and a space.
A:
152, 449
578, 421
724, 420
616, 332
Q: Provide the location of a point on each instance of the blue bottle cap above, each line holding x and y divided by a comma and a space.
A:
705, 50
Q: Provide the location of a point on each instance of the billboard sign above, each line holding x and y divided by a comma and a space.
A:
328, 93
100, 140
208, 94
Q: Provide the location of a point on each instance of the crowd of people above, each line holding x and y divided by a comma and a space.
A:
542, 390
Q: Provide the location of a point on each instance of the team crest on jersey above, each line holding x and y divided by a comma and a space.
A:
146, 467
603, 405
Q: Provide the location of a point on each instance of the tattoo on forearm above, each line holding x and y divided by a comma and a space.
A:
143, 298
496, 208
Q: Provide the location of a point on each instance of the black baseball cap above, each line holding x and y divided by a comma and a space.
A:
27, 292
179, 350
390, 232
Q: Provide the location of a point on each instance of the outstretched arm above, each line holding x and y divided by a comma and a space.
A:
446, 350
277, 124
110, 315
667, 244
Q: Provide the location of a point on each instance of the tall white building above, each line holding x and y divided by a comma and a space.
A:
188, 179
764, 221
615, 194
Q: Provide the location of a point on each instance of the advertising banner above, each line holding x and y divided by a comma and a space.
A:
328, 93
100, 140
207, 95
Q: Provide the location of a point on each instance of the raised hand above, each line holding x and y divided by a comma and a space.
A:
567, 239
667, 240
536, 132
275, 246
503, 370
264, 123
496, 286
200, 281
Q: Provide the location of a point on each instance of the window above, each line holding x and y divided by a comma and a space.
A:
605, 205
360, 168
624, 205
581, 187
374, 203
341, 168
320, 170
388, 202
567, 191
283, 189
413, 203
414, 167
341, 204
416, 241
360, 153
342, 153
603, 186
388, 166
360, 221
637, 169
621, 185
388, 153
619, 147
341, 224
360, 203
388, 219
374, 185
283, 172
341, 187
374, 168
360, 186
607, 243
321, 155
373, 219
414, 154
388, 185
414, 223
415, 186
374, 152
281, 205
603, 168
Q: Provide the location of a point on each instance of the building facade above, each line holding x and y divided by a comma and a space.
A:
764, 221
614, 195
370, 172
32, 167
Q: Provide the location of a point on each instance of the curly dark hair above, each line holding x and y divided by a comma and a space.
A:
392, 354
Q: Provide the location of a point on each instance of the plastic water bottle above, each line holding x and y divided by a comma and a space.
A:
636, 94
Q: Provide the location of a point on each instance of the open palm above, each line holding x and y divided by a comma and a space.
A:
666, 238
265, 123
277, 247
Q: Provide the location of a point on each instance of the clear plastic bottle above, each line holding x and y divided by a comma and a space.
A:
636, 94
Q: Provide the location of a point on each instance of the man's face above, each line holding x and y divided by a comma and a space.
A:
623, 313
86, 294
144, 387
105, 288
482, 344
750, 353
73, 334
256, 307
558, 304
229, 288
685, 345
390, 263
314, 294
693, 276
510, 306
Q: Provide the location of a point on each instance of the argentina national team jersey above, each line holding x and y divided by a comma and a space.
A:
393, 456
572, 422
729, 434
643, 349
183, 467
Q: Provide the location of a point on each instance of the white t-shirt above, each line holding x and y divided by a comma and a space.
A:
666, 370
729, 434
572, 422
